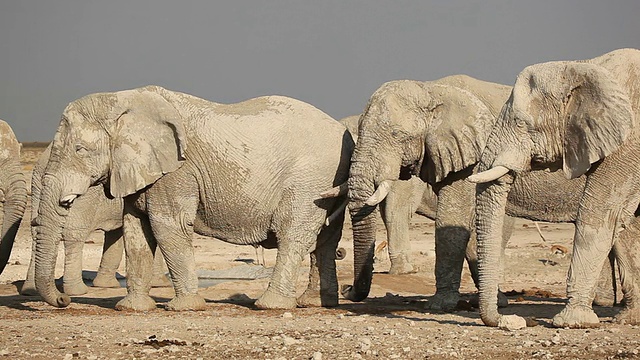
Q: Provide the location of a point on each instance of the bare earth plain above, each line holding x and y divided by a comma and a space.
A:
392, 323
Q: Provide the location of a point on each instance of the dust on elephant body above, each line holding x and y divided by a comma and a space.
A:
580, 117
246, 173
13, 191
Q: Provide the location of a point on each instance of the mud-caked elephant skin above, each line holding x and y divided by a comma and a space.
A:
579, 117
93, 211
246, 173
13, 191
435, 132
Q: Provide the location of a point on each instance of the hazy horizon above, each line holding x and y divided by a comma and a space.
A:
332, 54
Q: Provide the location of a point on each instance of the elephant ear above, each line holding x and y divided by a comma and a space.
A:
458, 124
597, 114
9, 145
147, 143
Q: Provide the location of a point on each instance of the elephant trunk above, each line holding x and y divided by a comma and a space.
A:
14, 206
363, 220
49, 224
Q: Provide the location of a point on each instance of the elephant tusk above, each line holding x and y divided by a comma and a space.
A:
381, 192
336, 191
68, 200
336, 213
488, 175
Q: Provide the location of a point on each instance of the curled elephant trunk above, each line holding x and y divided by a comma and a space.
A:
49, 224
13, 210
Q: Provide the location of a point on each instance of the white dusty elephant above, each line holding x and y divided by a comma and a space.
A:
405, 198
246, 173
13, 191
93, 211
580, 117
436, 130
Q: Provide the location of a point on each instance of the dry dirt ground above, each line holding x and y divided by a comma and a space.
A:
391, 324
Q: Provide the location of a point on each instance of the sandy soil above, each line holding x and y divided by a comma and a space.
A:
391, 324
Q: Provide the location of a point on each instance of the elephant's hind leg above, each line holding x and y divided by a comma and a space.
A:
627, 251
322, 289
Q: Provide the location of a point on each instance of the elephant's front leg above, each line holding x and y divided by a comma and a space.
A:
454, 220
140, 246
112, 251
72, 279
396, 211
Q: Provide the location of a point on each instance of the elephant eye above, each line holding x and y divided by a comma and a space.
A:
81, 150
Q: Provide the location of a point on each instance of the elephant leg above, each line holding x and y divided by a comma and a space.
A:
72, 280
606, 287
112, 251
29, 286
139, 246
322, 289
627, 253
396, 211
454, 221
281, 292
160, 278
471, 255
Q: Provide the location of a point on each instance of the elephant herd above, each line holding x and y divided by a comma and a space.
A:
151, 166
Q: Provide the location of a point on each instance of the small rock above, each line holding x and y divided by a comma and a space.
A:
340, 316
365, 344
316, 356
287, 315
288, 341
512, 322
4, 352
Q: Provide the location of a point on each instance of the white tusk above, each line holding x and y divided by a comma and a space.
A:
381, 192
336, 213
488, 175
336, 191
68, 200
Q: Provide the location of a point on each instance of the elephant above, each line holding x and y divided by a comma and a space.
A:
405, 198
579, 117
245, 173
13, 191
91, 212
436, 130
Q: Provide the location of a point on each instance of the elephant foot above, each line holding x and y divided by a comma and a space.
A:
311, 298
75, 288
136, 302
444, 301
271, 300
106, 281
503, 301
400, 265
628, 316
350, 293
189, 302
604, 299
29, 288
161, 280
576, 317
401, 269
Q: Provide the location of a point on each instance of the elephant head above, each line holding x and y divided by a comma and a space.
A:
426, 129
125, 140
13, 192
560, 115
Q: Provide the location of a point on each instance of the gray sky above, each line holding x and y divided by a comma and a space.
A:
331, 53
